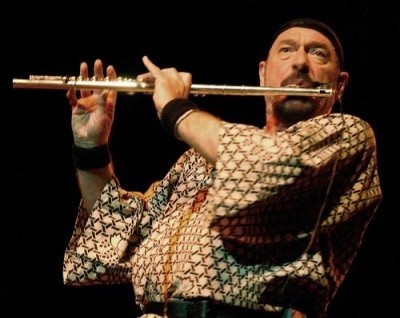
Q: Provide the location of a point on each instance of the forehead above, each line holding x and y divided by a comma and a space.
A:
302, 36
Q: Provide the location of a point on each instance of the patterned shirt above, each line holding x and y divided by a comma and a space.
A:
276, 222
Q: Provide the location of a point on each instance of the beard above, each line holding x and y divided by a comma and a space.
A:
294, 109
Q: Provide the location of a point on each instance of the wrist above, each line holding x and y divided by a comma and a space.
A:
179, 121
174, 112
91, 158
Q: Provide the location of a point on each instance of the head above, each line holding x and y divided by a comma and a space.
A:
302, 52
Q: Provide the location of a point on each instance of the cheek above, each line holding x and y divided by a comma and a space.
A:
326, 76
273, 76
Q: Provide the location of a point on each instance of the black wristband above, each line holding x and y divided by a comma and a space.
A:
172, 111
91, 158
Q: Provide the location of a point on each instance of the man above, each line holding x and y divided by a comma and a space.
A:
263, 222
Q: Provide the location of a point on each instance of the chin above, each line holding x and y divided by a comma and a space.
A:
294, 110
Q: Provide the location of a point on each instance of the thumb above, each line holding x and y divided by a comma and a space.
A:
102, 100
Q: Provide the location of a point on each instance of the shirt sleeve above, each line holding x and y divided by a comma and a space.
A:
279, 187
104, 239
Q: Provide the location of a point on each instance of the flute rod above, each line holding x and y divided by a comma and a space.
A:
133, 86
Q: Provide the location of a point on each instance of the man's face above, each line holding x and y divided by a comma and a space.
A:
300, 57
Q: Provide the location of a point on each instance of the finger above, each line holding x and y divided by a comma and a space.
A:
84, 74
112, 96
187, 80
111, 73
186, 77
98, 69
146, 77
71, 97
98, 73
151, 67
102, 100
83, 70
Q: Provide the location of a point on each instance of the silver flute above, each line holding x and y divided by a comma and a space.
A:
132, 86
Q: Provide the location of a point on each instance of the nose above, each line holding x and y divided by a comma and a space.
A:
300, 60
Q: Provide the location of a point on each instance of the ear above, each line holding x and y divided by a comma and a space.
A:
342, 82
261, 72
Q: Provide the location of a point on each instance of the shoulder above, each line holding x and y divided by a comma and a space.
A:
340, 120
334, 123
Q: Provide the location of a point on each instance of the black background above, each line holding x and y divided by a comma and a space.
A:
219, 42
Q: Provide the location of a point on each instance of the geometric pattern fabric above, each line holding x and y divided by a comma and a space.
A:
276, 222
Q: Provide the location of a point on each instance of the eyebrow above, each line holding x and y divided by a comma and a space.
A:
308, 44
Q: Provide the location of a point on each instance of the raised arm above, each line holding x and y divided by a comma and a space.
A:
92, 119
180, 116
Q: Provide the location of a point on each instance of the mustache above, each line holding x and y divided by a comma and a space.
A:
301, 80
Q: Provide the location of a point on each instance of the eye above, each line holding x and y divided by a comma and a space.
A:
285, 49
320, 52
